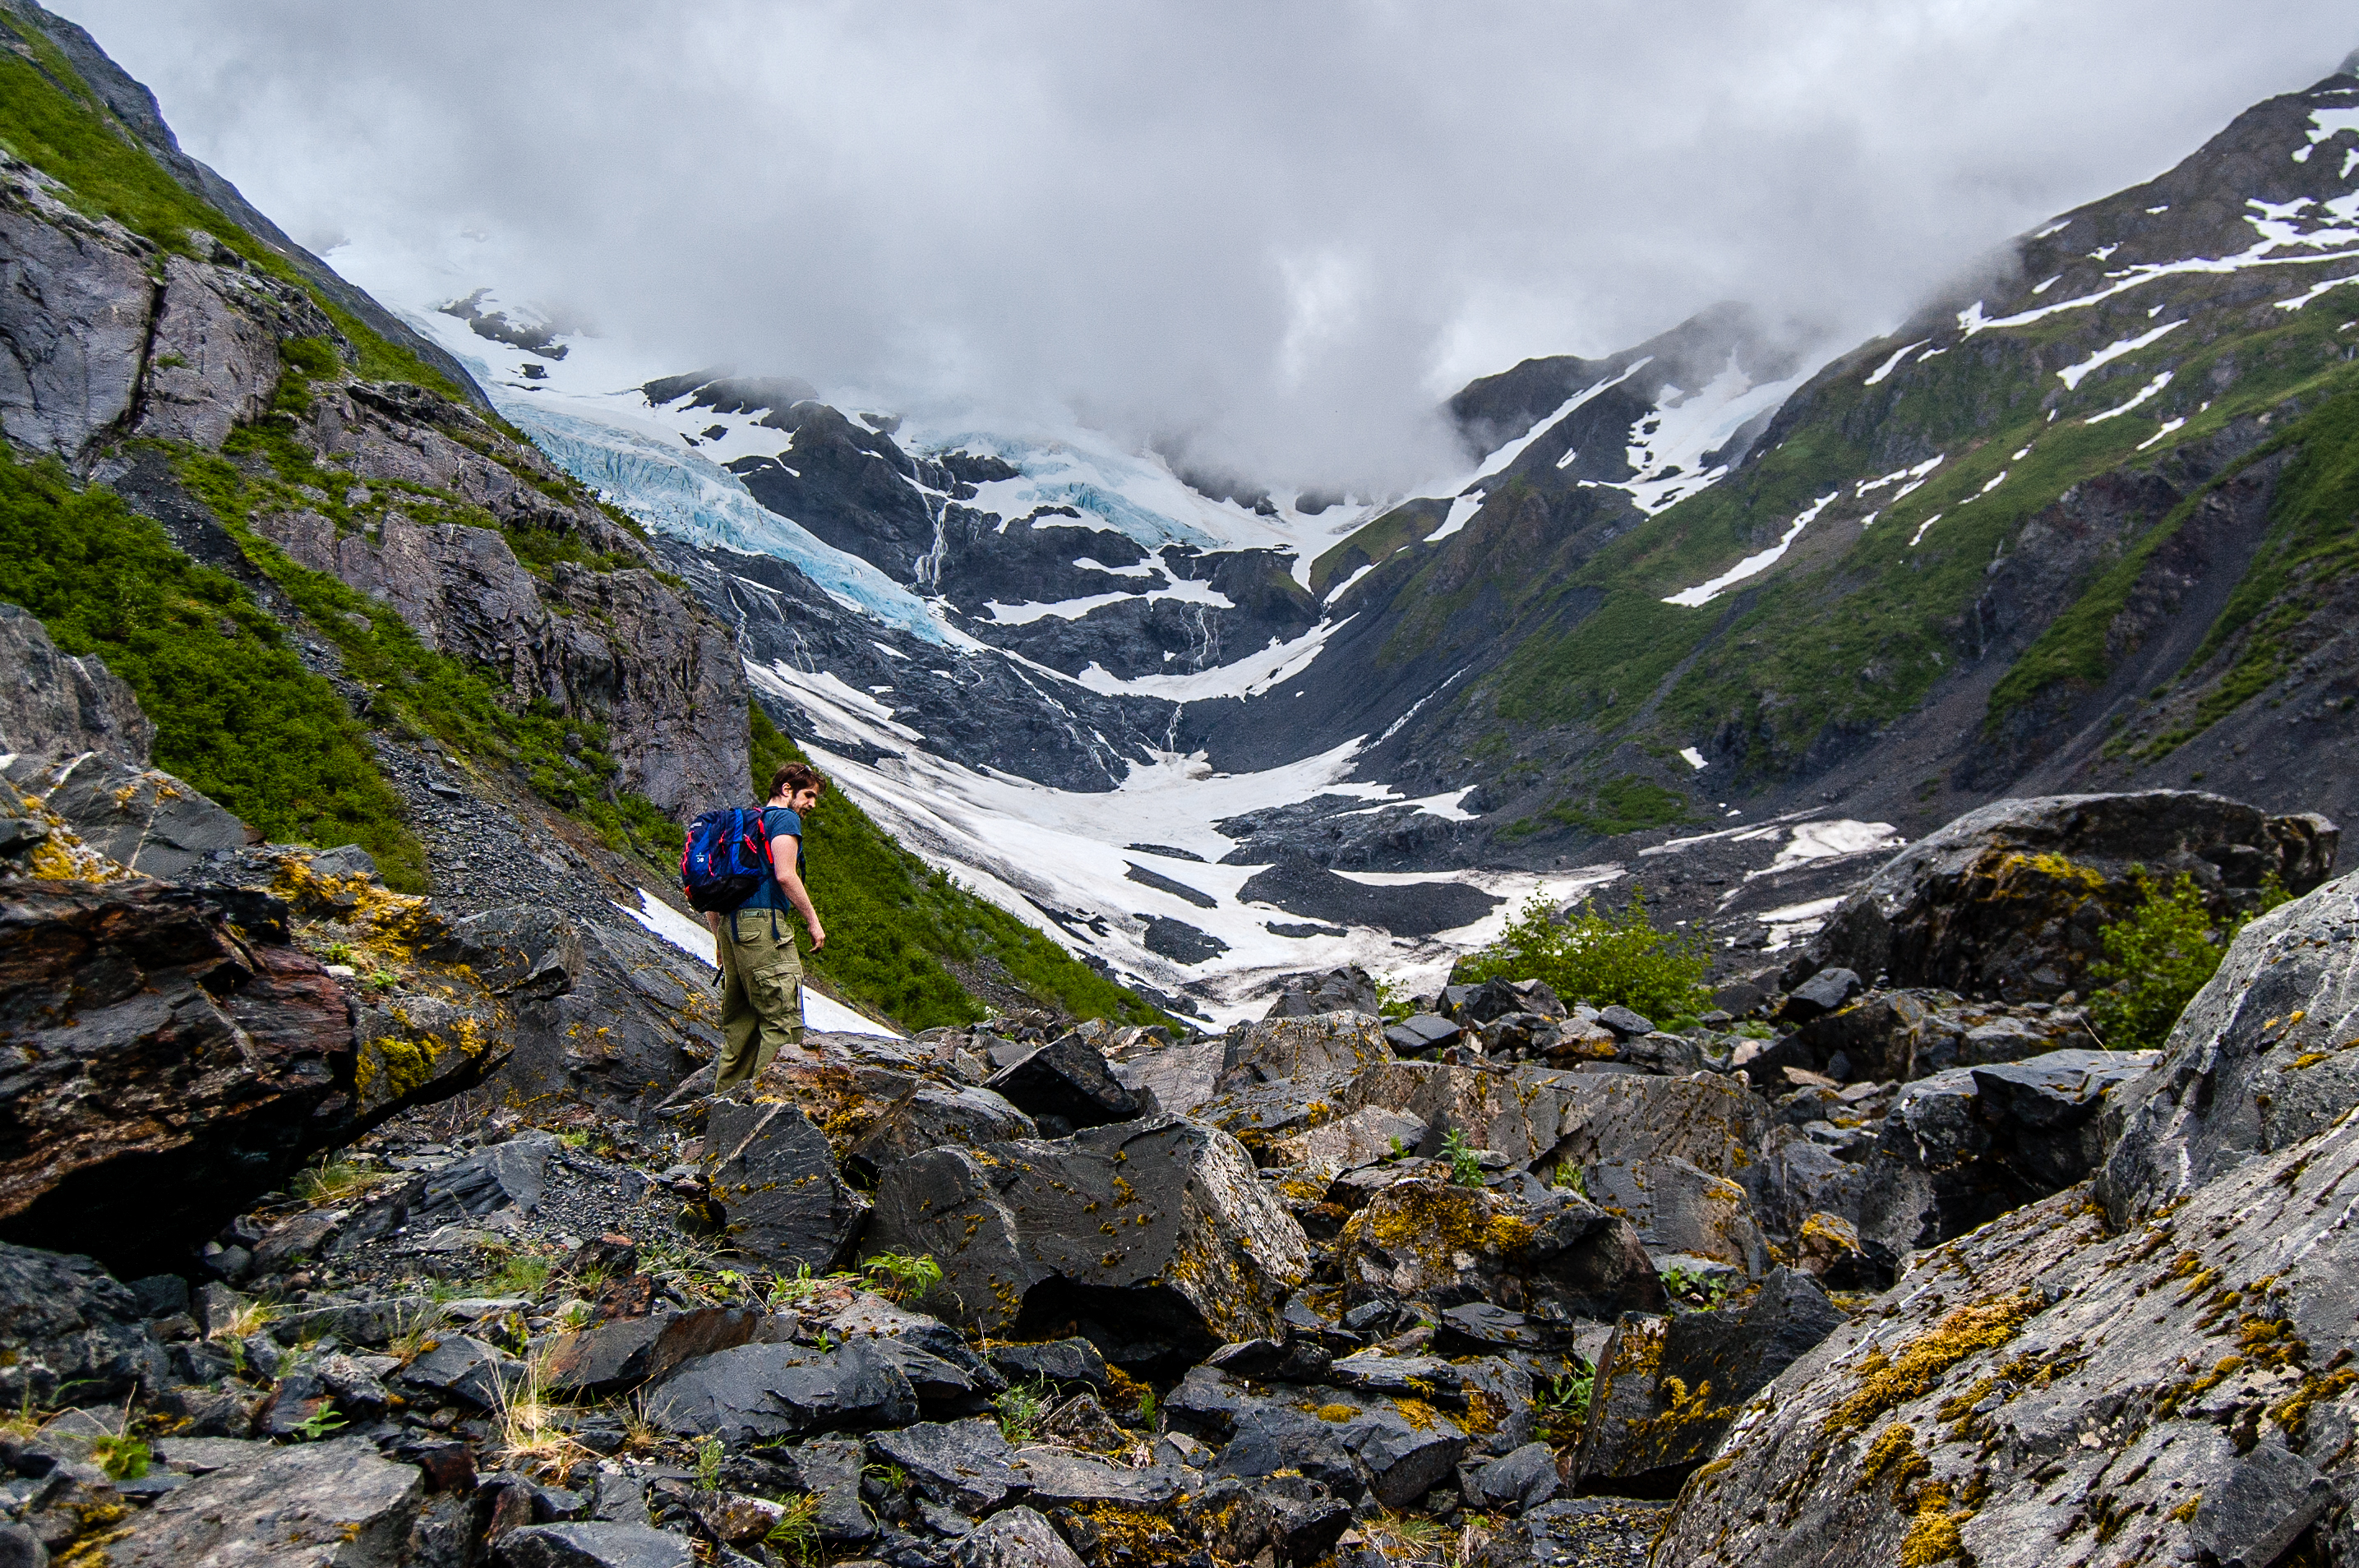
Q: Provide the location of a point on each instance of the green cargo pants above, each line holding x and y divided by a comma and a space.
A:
761, 992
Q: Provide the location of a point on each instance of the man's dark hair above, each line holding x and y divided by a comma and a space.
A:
794, 777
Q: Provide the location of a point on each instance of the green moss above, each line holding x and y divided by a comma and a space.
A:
236, 713
50, 119
1622, 805
896, 928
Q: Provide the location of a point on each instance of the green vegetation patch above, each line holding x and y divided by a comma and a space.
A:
415, 690
2159, 958
236, 714
1601, 956
49, 118
895, 924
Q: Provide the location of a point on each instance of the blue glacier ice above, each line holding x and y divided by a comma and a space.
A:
693, 498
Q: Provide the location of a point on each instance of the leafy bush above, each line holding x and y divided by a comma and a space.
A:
1599, 957
1465, 1160
2158, 958
236, 713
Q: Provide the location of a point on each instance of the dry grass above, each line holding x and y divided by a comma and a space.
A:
250, 1319
528, 1434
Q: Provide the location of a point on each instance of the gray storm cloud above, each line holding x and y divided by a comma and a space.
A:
1274, 236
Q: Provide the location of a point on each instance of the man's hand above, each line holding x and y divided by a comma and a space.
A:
819, 936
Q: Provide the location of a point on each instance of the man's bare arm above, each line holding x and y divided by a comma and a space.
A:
790, 882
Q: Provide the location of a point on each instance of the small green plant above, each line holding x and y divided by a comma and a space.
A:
1564, 1405
1393, 1001
317, 1424
1146, 1408
892, 1478
524, 1274
1465, 1161
708, 1455
1755, 1029
575, 1140
797, 1530
576, 1315
384, 981
1022, 1409
906, 1278
1690, 1285
2158, 958
122, 1456
1571, 1178
337, 952
1601, 957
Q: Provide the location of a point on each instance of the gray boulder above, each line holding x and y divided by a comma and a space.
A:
593, 1545
1347, 989
773, 1178
1427, 1239
66, 1323
758, 1392
1067, 1079
934, 1114
1992, 1138
1671, 1386
613, 1357
1013, 1537
1157, 1237
2260, 1060
313, 1505
1523, 1479
1677, 1207
964, 1464
2006, 901
1180, 1076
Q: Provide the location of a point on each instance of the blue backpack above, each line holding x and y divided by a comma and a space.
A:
726, 858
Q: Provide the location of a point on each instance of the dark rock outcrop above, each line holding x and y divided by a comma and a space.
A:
55, 706
1155, 1237
2007, 900
161, 1071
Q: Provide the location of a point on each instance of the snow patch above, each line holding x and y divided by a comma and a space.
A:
2299, 300
1249, 677
2168, 426
2072, 375
1752, 566
2149, 390
1693, 758
1921, 527
1875, 377
694, 938
1462, 511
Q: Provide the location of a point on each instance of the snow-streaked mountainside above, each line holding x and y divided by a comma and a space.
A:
1727, 574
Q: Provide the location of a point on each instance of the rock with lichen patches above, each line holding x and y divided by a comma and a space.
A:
1427, 1239
773, 1180
2041, 1390
1676, 1208
1667, 1388
2008, 900
1154, 1240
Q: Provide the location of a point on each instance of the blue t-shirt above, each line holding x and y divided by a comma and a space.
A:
786, 827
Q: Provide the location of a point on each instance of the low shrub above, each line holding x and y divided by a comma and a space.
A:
2158, 958
1599, 956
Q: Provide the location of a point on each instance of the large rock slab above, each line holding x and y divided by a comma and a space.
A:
2008, 900
310, 1506
1157, 1237
595, 1545
611, 1357
1677, 1207
773, 1178
1067, 1079
159, 1072
2041, 1392
75, 299
758, 1392
2261, 1059
1427, 1239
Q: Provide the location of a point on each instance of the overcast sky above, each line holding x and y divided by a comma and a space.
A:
1280, 231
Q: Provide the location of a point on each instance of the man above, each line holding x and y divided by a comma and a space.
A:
761, 972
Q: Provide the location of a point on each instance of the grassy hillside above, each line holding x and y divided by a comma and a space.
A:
236, 714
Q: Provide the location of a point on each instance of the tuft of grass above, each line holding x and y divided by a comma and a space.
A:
523, 1274
327, 1180
251, 1318
529, 1435
710, 1452
122, 1456
1022, 1408
1465, 1161
797, 1530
